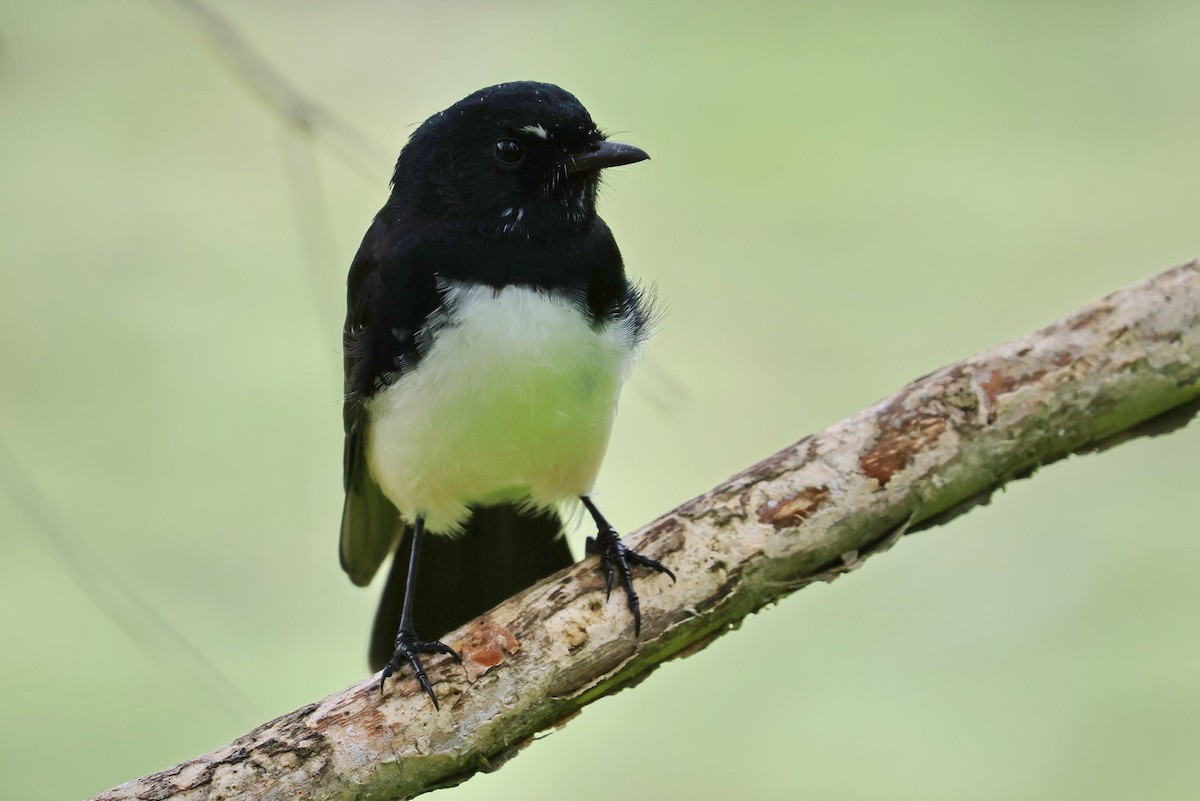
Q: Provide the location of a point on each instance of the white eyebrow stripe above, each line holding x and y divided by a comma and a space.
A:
537, 130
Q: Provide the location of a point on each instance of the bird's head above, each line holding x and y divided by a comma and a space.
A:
515, 159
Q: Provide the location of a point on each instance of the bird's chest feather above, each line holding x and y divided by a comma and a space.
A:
512, 400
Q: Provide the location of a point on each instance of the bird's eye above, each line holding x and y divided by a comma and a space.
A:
509, 152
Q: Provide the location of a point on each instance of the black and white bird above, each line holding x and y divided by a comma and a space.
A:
489, 328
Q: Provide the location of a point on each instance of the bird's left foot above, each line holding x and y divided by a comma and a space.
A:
617, 559
408, 652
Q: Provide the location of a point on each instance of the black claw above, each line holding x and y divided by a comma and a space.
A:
645, 561
601, 545
442, 648
408, 651
616, 557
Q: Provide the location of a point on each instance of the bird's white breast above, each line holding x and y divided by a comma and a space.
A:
513, 401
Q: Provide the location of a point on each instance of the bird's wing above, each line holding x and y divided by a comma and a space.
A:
370, 523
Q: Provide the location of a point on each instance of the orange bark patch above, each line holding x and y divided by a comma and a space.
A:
486, 646
999, 383
794, 510
899, 441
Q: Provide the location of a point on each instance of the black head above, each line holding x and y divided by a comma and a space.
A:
515, 159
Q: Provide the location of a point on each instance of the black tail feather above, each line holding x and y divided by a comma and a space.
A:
501, 551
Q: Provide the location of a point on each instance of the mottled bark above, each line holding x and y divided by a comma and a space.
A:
812, 511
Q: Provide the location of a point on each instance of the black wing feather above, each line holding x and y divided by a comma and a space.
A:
370, 523
392, 290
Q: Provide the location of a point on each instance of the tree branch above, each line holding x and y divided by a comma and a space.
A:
811, 512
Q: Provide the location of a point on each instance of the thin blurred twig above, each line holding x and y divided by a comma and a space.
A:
306, 122
112, 596
355, 148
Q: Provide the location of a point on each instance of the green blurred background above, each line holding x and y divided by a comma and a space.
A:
842, 197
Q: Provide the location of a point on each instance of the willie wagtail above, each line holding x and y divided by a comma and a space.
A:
489, 328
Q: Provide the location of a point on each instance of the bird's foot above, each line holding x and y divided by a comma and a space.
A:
617, 559
408, 651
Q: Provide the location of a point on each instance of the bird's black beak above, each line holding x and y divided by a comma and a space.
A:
605, 154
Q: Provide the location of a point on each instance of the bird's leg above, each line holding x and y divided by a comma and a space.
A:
616, 558
408, 647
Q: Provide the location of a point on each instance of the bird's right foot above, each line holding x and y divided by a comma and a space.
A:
408, 652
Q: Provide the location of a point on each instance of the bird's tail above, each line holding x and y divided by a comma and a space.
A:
502, 550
